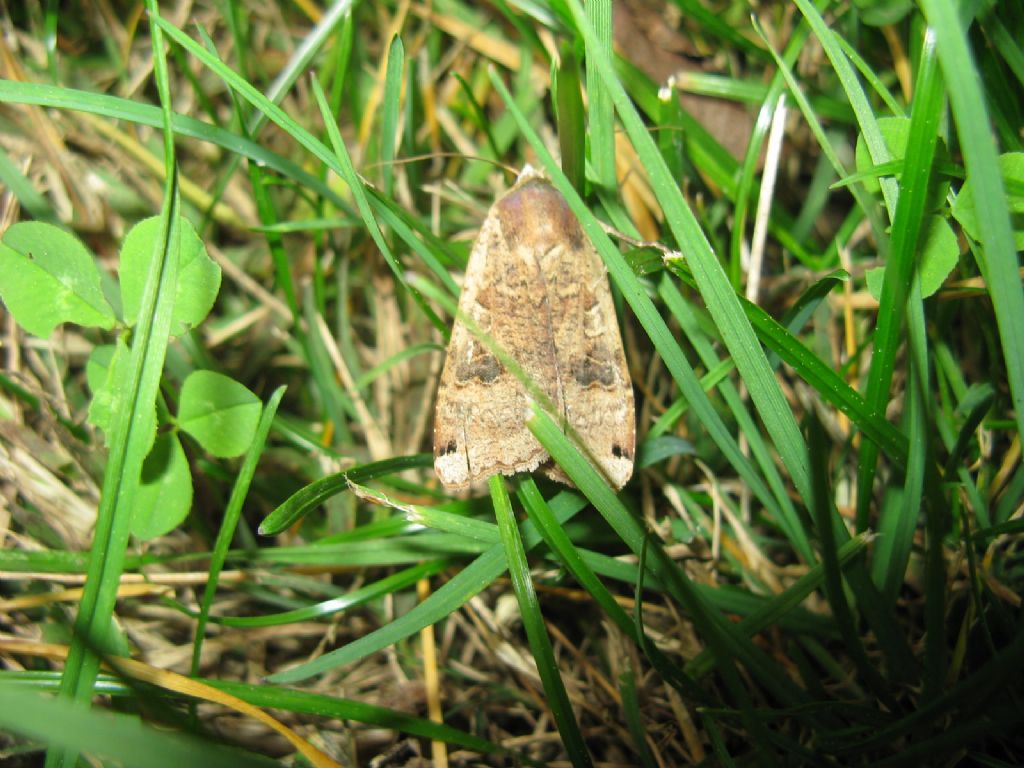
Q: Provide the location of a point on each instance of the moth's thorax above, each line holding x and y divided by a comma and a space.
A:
535, 214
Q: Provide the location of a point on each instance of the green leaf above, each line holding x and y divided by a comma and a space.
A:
48, 277
108, 372
895, 133
881, 13
198, 274
165, 495
98, 368
1011, 167
939, 255
219, 413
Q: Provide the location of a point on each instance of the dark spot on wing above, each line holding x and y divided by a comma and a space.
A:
590, 370
483, 366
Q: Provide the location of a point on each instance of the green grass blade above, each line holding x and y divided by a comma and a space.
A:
779, 505
572, 136
826, 518
339, 161
533, 624
24, 192
357, 711
388, 585
889, 325
121, 738
745, 192
343, 165
232, 514
150, 115
390, 109
714, 285
728, 646
997, 256
563, 548
600, 113
775, 610
894, 547
631, 713
475, 577
311, 496
130, 439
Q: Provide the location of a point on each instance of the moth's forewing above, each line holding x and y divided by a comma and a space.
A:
536, 286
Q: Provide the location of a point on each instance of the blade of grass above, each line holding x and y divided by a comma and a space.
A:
886, 336
123, 738
150, 115
745, 192
24, 192
893, 553
388, 585
563, 548
969, 693
287, 699
864, 200
339, 161
131, 436
600, 113
727, 645
357, 711
311, 496
998, 256
533, 623
343, 166
337, 404
825, 516
476, 576
686, 317
232, 514
773, 611
869, 416
714, 285
829, 384
631, 712
297, 65
572, 137
900, 262
721, 27
390, 108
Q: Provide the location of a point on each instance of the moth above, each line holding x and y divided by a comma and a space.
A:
536, 287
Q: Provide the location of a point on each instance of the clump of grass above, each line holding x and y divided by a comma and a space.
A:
817, 559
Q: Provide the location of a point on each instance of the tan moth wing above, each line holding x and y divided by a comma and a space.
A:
535, 285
